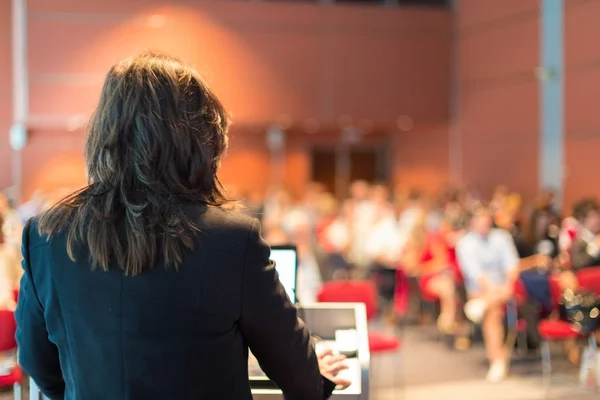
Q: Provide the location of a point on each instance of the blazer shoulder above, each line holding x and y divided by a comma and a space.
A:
225, 229
223, 219
31, 235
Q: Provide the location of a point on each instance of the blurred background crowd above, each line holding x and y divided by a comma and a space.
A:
409, 245
410, 144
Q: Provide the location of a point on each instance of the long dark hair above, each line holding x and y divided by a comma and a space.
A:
152, 150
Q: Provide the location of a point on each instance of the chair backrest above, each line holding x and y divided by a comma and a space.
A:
589, 279
350, 292
520, 291
8, 327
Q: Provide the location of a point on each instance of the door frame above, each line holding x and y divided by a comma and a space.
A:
342, 153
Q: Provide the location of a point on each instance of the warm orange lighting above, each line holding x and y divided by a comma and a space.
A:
76, 122
405, 123
284, 121
64, 170
218, 52
345, 121
366, 126
311, 126
157, 21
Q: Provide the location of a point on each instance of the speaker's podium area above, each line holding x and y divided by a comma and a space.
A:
341, 327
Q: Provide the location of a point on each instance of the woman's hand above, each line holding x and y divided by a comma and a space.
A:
330, 365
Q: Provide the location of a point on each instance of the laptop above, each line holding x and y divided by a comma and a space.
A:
286, 264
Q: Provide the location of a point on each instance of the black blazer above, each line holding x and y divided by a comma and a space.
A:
166, 334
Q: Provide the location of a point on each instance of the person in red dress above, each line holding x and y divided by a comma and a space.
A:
427, 255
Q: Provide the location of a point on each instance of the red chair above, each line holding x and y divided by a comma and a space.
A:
520, 291
589, 279
8, 327
552, 330
517, 326
360, 292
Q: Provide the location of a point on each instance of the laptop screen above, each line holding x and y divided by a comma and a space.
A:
286, 264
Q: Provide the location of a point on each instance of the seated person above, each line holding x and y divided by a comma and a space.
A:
309, 277
384, 248
333, 238
569, 231
585, 250
10, 272
489, 262
452, 230
532, 268
429, 256
435, 279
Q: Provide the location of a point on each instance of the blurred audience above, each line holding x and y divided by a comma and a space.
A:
333, 238
464, 258
10, 260
361, 215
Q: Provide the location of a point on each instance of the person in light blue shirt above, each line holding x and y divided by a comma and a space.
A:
489, 262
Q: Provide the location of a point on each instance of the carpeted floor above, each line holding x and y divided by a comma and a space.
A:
428, 370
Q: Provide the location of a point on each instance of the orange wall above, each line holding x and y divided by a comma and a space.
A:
308, 61
497, 49
582, 91
421, 157
264, 59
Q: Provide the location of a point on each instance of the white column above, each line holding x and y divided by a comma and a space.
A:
550, 74
20, 86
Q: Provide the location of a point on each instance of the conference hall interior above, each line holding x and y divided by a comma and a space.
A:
392, 150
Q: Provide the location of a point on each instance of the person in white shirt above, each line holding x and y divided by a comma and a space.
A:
333, 238
574, 230
361, 214
385, 242
277, 204
412, 212
384, 248
297, 225
489, 262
